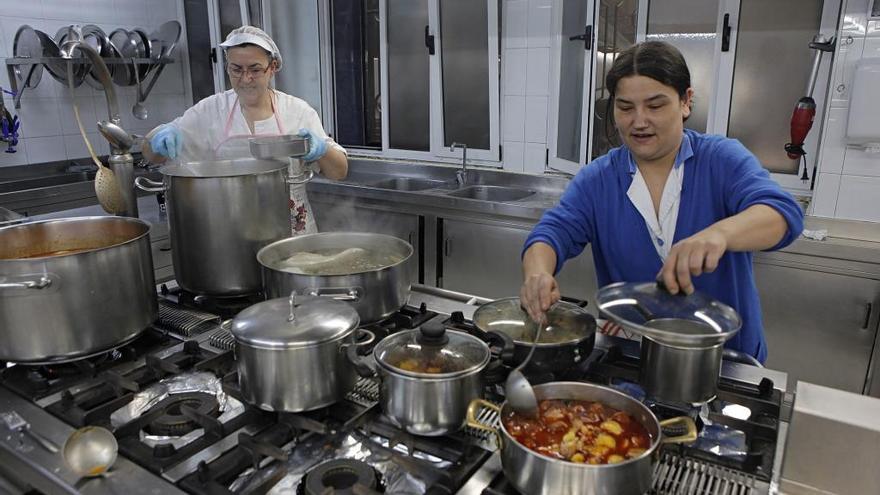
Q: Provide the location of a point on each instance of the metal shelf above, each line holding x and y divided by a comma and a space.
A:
14, 63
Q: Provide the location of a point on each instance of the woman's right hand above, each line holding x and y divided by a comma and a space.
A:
537, 294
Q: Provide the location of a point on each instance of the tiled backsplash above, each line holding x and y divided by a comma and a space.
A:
848, 185
525, 83
48, 129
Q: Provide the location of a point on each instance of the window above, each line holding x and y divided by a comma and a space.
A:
410, 77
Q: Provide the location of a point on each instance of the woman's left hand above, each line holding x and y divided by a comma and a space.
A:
691, 257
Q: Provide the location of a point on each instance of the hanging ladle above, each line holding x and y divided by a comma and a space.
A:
138, 109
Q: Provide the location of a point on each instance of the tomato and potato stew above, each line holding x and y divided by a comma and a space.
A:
580, 431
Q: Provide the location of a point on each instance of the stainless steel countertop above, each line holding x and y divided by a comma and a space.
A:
847, 240
148, 209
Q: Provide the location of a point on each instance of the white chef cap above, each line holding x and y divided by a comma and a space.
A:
255, 36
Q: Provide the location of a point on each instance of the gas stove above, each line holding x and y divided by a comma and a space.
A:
171, 399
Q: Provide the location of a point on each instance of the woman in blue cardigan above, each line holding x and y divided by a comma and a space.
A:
670, 204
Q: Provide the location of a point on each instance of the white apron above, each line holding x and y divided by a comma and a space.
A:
235, 146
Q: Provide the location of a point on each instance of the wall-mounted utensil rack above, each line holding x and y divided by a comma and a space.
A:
21, 70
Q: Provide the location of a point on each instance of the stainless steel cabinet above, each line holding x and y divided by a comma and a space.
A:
348, 217
820, 327
484, 258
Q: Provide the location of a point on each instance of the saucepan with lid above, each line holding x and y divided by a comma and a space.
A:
429, 376
683, 337
291, 352
568, 338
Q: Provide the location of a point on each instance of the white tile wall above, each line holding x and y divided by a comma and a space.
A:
535, 157
513, 154
825, 196
516, 23
525, 44
536, 119
859, 198
48, 129
848, 185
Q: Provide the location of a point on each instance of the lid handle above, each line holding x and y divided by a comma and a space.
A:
432, 333
292, 317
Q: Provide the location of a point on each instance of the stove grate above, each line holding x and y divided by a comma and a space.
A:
222, 339
365, 393
185, 322
678, 475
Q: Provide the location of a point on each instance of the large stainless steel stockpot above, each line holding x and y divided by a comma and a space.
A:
537, 474
220, 213
375, 294
74, 287
291, 352
429, 376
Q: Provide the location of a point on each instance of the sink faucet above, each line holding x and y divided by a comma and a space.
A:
461, 174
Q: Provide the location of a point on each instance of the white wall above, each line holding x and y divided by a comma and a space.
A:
525, 83
848, 185
48, 129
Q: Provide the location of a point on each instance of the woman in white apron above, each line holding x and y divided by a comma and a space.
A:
219, 126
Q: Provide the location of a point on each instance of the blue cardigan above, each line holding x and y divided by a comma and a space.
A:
721, 179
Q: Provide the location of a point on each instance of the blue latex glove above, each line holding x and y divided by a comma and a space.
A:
167, 141
317, 146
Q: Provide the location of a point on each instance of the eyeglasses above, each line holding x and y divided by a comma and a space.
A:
238, 72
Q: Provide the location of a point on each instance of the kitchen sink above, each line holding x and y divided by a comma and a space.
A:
407, 184
492, 193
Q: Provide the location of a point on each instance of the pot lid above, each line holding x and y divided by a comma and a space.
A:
432, 351
566, 322
695, 320
314, 320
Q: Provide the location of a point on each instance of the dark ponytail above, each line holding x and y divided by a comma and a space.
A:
655, 59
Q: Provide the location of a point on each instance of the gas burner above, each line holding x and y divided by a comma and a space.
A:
341, 477
174, 420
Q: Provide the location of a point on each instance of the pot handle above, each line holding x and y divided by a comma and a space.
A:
145, 184
357, 360
42, 283
473, 411
505, 342
301, 179
684, 422
347, 294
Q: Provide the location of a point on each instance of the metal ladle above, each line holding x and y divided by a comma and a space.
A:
138, 109
90, 451
517, 388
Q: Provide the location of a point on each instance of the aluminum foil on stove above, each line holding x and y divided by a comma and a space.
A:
201, 381
390, 464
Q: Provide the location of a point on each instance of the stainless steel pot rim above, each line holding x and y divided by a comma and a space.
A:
529, 343
655, 439
222, 168
110, 219
262, 253
436, 377
683, 347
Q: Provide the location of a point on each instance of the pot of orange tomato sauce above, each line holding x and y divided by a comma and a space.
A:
586, 439
74, 287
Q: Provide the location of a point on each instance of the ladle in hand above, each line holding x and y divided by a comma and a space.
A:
520, 394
